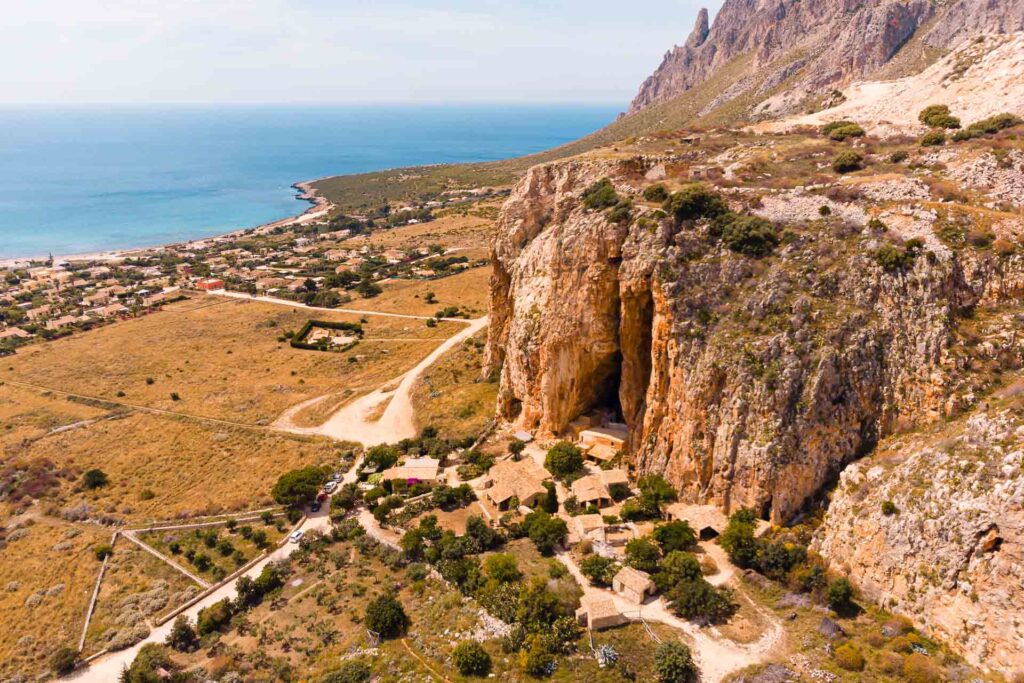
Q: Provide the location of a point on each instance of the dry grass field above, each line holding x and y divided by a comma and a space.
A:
221, 360
26, 415
47, 574
467, 290
136, 587
163, 467
471, 234
452, 396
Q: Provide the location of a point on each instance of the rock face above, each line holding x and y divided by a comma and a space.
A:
950, 551
746, 382
810, 46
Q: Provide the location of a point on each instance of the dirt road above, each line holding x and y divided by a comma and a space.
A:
355, 422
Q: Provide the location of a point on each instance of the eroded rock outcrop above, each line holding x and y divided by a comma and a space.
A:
932, 526
806, 47
746, 382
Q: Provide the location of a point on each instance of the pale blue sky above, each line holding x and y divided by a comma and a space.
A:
342, 51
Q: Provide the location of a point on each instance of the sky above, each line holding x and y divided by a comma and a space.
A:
334, 52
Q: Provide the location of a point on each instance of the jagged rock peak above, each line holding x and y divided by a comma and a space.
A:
811, 46
700, 30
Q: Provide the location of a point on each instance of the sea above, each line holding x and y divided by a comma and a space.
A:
89, 179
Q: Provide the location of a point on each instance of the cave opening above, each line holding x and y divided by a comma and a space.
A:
607, 404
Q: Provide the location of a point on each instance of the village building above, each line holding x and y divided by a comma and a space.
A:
14, 333
706, 520
415, 471
516, 480
598, 612
633, 584
601, 444
61, 323
596, 489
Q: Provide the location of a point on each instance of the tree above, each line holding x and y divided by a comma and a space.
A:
840, 594
546, 531
677, 566
151, 658
63, 661
656, 193
738, 539
675, 664
642, 554
538, 607
182, 637
564, 459
481, 535
214, 617
748, 235
550, 498
599, 570
516, 447
502, 567
103, 551
352, 671
94, 479
678, 535
471, 659
600, 195
298, 487
385, 616
698, 600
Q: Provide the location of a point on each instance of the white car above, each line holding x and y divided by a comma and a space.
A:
330, 486
296, 536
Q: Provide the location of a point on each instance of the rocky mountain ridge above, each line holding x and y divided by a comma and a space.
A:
796, 51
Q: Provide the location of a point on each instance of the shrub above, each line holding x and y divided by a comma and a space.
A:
918, 668
893, 259
889, 508
738, 539
502, 567
849, 657
103, 551
747, 235
675, 664
564, 459
352, 671
386, 616
938, 116
828, 128
840, 594
94, 479
898, 157
695, 201
546, 531
847, 162
63, 661
656, 193
842, 132
991, 125
471, 659
933, 138
698, 600
600, 195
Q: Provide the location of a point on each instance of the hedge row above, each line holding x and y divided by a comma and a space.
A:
298, 343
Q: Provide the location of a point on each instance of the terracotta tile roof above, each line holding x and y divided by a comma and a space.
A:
634, 579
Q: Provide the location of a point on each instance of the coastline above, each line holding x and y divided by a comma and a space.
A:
306, 192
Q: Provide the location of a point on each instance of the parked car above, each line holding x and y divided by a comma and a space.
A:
296, 536
330, 486
336, 477
321, 497
315, 507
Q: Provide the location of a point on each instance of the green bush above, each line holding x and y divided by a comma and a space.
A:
992, 125
546, 531
849, 657
675, 664
502, 567
847, 162
471, 659
214, 618
843, 132
600, 195
599, 570
182, 637
747, 235
919, 668
938, 116
933, 138
677, 535
63, 661
898, 157
298, 487
738, 539
103, 551
695, 201
94, 479
893, 259
643, 554
840, 594
656, 193
386, 616
352, 671
889, 508
698, 600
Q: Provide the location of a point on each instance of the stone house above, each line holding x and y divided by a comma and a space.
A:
633, 584
511, 480
598, 612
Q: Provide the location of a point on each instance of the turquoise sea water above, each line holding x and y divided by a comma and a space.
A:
90, 179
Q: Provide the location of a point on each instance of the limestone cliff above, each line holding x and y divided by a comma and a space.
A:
747, 382
932, 527
806, 47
